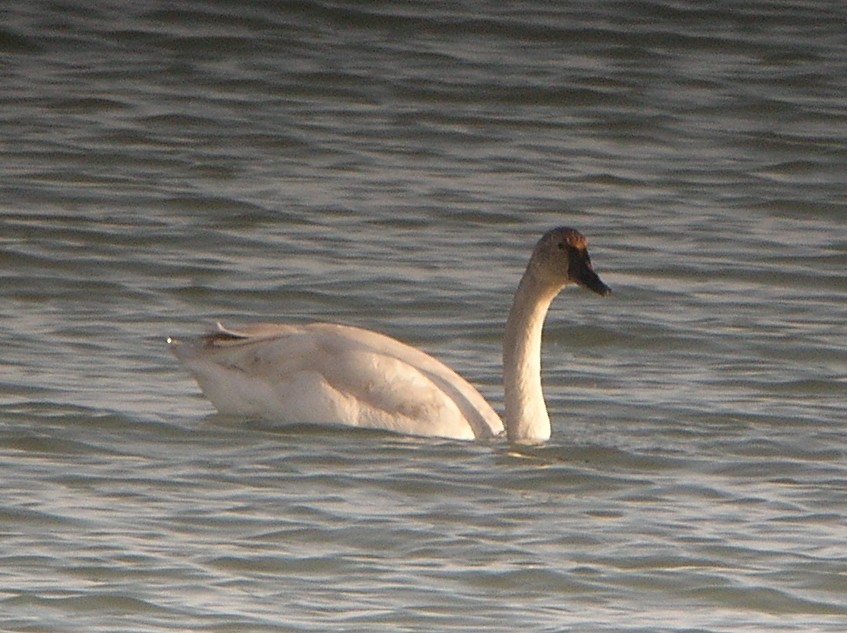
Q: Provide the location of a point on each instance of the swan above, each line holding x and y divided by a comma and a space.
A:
329, 373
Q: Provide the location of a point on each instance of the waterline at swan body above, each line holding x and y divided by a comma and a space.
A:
326, 373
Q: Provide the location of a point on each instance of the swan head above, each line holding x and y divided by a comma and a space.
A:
561, 257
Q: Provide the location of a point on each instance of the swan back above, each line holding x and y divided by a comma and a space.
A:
329, 373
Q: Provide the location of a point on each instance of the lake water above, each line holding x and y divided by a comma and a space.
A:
390, 165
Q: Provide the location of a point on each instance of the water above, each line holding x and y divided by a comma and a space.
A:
389, 165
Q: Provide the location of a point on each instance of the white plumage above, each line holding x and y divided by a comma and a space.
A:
327, 373
324, 372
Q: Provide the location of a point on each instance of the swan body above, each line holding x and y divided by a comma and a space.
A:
323, 372
328, 373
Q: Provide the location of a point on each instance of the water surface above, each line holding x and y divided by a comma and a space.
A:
390, 165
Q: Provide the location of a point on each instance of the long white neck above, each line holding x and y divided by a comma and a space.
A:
526, 412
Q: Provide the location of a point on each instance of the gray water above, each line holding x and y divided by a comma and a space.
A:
390, 165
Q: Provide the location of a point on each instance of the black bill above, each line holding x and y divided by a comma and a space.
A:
580, 272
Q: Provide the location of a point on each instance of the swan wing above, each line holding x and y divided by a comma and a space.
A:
332, 373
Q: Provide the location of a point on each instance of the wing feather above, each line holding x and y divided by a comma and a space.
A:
332, 373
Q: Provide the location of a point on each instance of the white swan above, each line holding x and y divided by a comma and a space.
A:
327, 373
